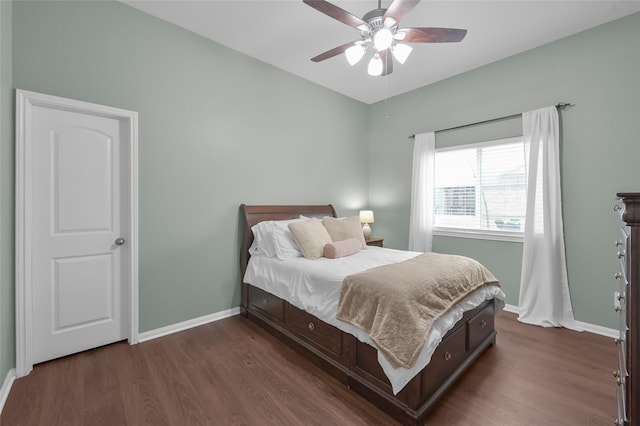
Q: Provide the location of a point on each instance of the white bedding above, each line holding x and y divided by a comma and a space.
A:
314, 286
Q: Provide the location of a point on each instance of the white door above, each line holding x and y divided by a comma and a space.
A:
81, 226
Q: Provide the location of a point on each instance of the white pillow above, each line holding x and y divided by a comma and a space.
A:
273, 239
283, 242
311, 237
262, 239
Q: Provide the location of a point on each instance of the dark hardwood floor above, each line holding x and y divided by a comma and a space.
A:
231, 372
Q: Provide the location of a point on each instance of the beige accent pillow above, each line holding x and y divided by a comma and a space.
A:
311, 237
342, 248
344, 228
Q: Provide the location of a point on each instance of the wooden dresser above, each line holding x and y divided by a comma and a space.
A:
627, 301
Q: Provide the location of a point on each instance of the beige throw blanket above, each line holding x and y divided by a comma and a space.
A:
397, 304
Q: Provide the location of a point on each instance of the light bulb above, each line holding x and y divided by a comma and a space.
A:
389, 22
382, 39
354, 54
375, 66
399, 35
401, 52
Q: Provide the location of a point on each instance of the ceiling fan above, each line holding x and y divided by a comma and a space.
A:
379, 29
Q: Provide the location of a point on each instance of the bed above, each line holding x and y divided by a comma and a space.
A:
347, 353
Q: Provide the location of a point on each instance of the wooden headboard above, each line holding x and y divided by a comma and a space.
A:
256, 214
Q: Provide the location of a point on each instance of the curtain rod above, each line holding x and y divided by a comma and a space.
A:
560, 105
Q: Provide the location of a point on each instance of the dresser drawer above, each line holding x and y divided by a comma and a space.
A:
266, 303
622, 405
446, 358
622, 358
479, 327
322, 334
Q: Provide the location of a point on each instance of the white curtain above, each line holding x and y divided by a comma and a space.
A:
544, 288
421, 220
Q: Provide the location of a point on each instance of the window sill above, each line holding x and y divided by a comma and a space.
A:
514, 237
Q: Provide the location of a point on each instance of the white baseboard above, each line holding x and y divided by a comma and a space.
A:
185, 325
590, 328
6, 387
511, 308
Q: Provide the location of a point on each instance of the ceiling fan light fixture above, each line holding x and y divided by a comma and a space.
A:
389, 22
375, 66
354, 54
363, 27
399, 35
382, 39
401, 52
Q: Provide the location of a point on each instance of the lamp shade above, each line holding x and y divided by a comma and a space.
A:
366, 216
375, 66
354, 54
382, 39
401, 52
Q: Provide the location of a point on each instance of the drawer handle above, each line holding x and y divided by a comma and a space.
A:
447, 356
618, 308
618, 243
483, 323
617, 207
619, 381
265, 302
620, 254
616, 373
311, 326
617, 341
617, 275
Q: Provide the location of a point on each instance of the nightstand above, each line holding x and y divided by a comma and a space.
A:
374, 241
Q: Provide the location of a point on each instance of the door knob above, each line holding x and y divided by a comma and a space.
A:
119, 241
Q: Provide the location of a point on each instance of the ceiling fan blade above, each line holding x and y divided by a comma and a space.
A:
336, 13
433, 35
387, 62
399, 8
333, 52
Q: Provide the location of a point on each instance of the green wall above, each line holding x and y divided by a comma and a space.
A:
7, 297
598, 71
216, 129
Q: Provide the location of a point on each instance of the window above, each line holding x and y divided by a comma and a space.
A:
481, 188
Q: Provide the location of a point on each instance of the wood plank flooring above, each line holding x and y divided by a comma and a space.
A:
231, 372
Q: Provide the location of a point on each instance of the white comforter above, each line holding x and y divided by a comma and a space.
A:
314, 286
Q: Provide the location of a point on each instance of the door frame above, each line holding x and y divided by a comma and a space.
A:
25, 101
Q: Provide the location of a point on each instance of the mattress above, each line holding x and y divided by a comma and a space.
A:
314, 286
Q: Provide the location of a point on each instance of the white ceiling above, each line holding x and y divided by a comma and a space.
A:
287, 33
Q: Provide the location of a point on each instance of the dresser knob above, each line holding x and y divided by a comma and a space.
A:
618, 308
483, 323
617, 207
618, 243
620, 254
447, 356
311, 326
265, 302
617, 275
616, 373
617, 341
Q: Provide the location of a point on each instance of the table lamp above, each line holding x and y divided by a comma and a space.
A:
366, 217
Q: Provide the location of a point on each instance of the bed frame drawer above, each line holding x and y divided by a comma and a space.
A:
480, 327
324, 335
446, 358
266, 303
